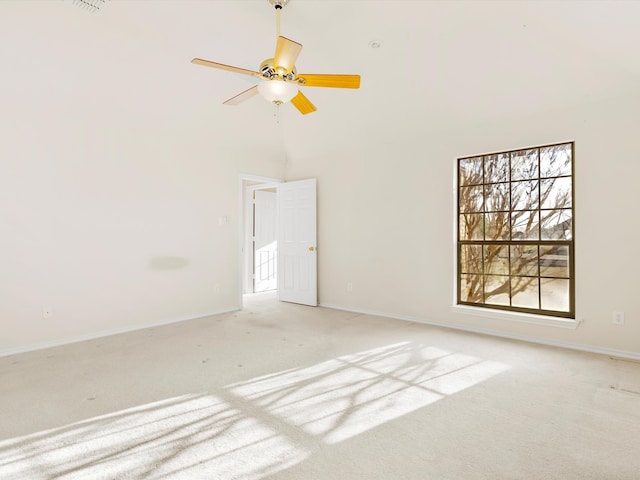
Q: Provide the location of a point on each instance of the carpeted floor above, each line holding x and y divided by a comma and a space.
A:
283, 391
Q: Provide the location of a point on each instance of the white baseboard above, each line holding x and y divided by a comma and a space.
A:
106, 333
406, 318
494, 333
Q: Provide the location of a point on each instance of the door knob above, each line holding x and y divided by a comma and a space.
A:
311, 249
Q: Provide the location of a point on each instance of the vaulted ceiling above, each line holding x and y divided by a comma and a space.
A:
442, 66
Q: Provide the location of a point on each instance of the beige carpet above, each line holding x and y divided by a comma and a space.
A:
282, 391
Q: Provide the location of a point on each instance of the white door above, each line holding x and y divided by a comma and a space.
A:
297, 261
265, 241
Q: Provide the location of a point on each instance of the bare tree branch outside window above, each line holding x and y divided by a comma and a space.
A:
515, 230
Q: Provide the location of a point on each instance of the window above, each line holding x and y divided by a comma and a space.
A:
515, 230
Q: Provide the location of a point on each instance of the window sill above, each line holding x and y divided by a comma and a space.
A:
517, 316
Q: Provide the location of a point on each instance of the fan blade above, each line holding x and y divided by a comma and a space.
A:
334, 81
287, 52
207, 63
303, 104
241, 97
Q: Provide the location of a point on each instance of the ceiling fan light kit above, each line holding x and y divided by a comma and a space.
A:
278, 91
279, 80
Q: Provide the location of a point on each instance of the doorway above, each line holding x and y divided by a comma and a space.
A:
265, 240
278, 239
258, 234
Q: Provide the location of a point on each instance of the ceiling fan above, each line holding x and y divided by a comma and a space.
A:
279, 79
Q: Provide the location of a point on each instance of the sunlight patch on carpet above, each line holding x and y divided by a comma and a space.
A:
352, 394
252, 429
159, 440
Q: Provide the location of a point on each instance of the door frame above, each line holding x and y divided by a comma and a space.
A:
248, 183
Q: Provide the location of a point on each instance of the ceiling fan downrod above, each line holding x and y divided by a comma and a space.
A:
278, 5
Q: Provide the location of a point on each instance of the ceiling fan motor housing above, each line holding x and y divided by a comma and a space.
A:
269, 72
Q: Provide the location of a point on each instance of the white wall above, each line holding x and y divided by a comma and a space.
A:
114, 173
116, 232
386, 218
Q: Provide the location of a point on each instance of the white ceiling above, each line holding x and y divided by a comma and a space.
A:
443, 65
